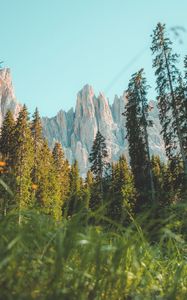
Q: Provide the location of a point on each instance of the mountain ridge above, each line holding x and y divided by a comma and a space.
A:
76, 128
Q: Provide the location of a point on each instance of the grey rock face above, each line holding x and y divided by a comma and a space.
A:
7, 97
76, 130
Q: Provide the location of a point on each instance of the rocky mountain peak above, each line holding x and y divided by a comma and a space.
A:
76, 130
6, 83
85, 103
7, 97
87, 92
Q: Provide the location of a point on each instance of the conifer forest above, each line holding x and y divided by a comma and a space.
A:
120, 233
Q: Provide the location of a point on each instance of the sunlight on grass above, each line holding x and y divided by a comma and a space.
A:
45, 260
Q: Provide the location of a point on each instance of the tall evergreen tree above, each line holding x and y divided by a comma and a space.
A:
36, 129
184, 94
88, 188
162, 182
142, 88
6, 158
136, 113
48, 192
74, 203
185, 69
181, 104
89, 179
99, 161
171, 113
63, 169
7, 138
122, 192
23, 161
174, 181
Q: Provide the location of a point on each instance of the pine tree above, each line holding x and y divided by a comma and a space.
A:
183, 85
88, 188
6, 138
36, 129
6, 162
181, 104
171, 113
122, 192
99, 162
48, 192
185, 70
23, 161
142, 88
137, 136
74, 203
159, 170
174, 181
63, 170
89, 179
167, 180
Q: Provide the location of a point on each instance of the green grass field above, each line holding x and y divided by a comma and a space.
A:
74, 261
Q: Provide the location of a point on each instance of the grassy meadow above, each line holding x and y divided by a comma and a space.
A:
74, 260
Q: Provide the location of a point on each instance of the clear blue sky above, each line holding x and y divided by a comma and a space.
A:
54, 47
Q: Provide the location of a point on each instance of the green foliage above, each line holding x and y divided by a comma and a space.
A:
7, 202
6, 156
88, 188
103, 247
23, 161
7, 138
74, 203
122, 192
171, 97
48, 197
36, 129
161, 178
185, 68
40, 260
98, 157
136, 112
175, 182
62, 168
37, 178
99, 166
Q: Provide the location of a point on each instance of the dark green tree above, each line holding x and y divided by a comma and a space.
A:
184, 95
62, 169
171, 101
122, 192
48, 194
36, 129
137, 122
6, 162
23, 161
185, 69
173, 183
99, 163
142, 88
74, 203
88, 188
161, 178
7, 138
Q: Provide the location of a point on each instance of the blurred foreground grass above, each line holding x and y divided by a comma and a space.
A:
73, 261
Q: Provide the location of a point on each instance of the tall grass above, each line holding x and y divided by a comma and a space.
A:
73, 261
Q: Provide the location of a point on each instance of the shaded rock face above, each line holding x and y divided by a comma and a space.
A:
77, 130
7, 97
